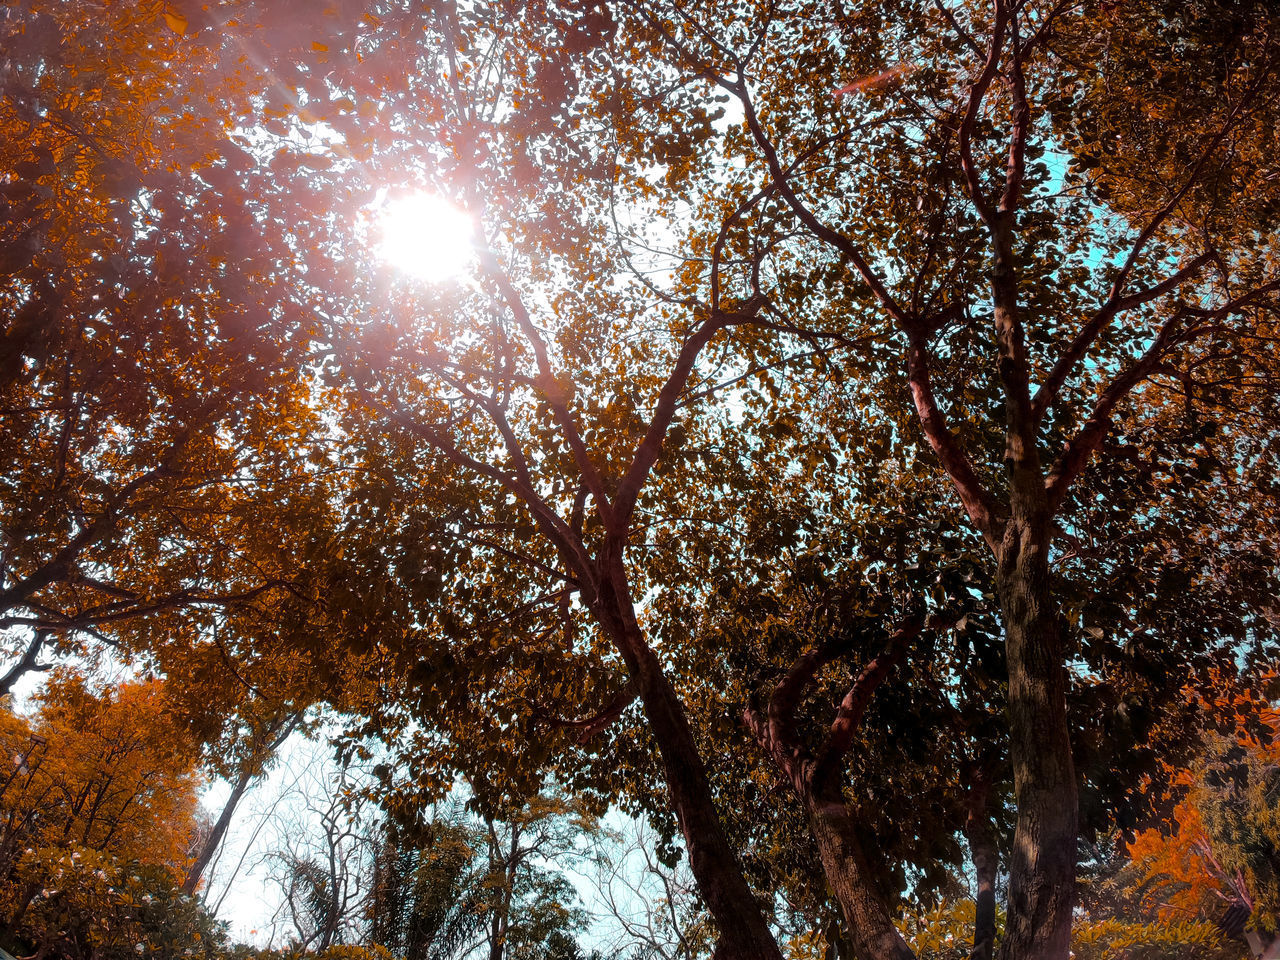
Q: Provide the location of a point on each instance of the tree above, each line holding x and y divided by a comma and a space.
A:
650, 909
97, 822
969, 234
511, 440
144, 348
276, 734
164, 477
470, 401
322, 861
1216, 853
943, 219
453, 884
422, 894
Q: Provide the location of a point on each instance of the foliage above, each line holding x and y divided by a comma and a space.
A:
98, 816
160, 457
450, 882
93, 904
1169, 872
103, 768
340, 951
1121, 940
1238, 796
860, 419
942, 933
1219, 847
424, 899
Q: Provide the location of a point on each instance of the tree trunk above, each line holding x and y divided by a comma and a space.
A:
980, 832
211, 843
497, 940
868, 923
1042, 867
276, 734
507, 863
740, 921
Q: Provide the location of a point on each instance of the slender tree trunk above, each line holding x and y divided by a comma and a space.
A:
1042, 867
740, 921
211, 843
276, 734
508, 863
497, 939
868, 922
980, 832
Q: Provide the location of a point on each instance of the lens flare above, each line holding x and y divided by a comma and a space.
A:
426, 236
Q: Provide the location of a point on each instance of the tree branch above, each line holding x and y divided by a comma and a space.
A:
1113, 307
556, 398
850, 712
1016, 165
978, 503
520, 483
61, 564
781, 179
961, 32
977, 93
27, 663
1082, 446
589, 727
668, 401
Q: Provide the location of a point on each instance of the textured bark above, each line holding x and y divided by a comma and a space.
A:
980, 832
816, 781
867, 920
740, 921
1042, 863
1043, 860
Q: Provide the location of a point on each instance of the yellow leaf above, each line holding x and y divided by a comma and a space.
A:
176, 21
318, 46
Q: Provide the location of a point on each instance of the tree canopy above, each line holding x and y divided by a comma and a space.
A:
851, 441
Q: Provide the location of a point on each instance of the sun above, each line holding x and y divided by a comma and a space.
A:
426, 236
